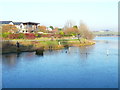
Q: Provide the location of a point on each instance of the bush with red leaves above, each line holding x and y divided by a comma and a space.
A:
50, 35
13, 36
30, 36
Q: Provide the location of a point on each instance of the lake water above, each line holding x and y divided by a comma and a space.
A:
76, 67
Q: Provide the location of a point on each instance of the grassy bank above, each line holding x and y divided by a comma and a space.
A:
47, 44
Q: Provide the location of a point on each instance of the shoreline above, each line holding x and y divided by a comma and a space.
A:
41, 46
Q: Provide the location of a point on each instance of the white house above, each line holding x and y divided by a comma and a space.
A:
23, 27
26, 27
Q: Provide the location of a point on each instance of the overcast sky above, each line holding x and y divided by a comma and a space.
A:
97, 14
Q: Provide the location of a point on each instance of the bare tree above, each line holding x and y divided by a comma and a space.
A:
69, 24
85, 32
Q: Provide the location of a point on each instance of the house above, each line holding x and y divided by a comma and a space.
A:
17, 24
23, 27
6, 22
28, 27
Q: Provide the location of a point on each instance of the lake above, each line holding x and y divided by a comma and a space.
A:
93, 66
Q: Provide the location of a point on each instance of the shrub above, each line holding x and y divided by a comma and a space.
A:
13, 36
9, 27
67, 35
36, 34
39, 35
5, 35
71, 31
58, 35
30, 36
61, 33
21, 36
46, 35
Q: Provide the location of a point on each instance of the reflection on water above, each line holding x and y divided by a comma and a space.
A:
73, 67
10, 60
86, 51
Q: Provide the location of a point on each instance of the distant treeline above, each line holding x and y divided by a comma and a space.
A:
109, 33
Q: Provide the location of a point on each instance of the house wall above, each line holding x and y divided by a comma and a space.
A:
11, 23
18, 26
25, 28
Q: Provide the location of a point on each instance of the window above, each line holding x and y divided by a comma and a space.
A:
20, 26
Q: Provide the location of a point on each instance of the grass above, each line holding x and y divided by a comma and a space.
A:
46, 43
